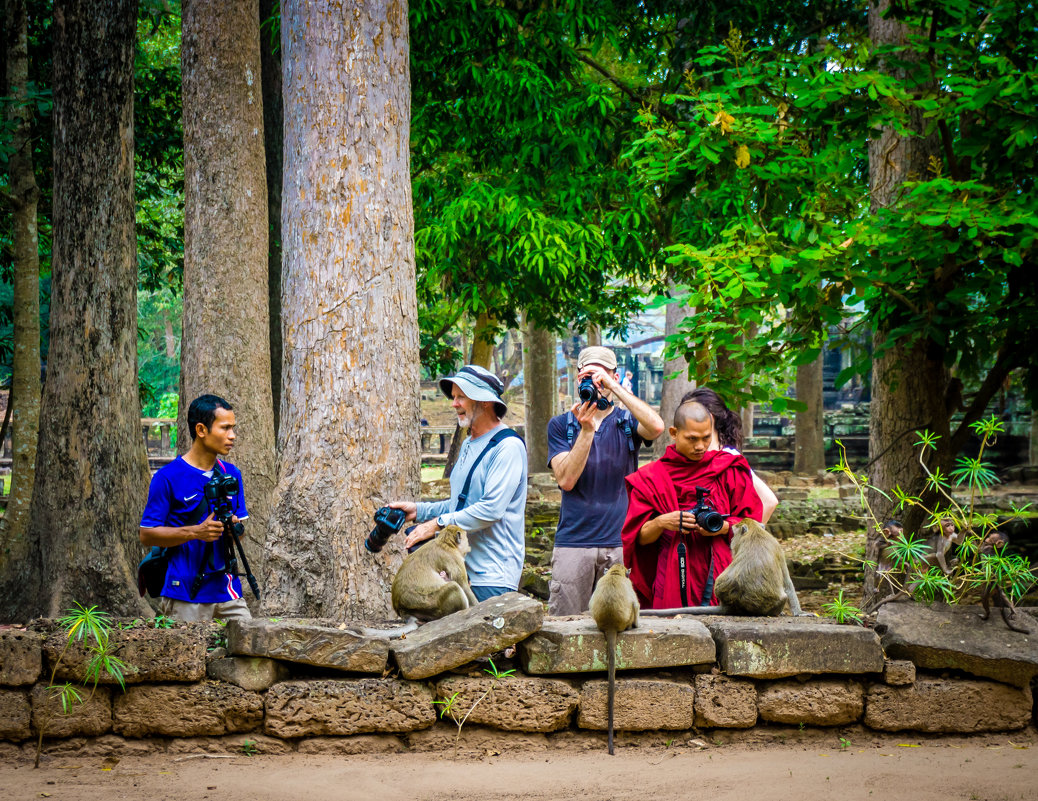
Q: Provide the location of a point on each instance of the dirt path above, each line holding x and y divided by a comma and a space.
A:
887, 768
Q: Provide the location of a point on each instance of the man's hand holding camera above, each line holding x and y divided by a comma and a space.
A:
209, 530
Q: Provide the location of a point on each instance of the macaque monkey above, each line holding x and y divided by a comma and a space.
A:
614, 606
994, 543
942, 542
432, 582
757, 582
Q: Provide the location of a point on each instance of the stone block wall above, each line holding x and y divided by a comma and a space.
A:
673, 676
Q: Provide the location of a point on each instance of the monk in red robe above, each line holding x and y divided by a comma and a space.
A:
662, 541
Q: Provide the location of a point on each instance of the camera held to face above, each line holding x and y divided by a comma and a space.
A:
707, 517
388, 522
588, 393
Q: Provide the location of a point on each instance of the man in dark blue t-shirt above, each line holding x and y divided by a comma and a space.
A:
178, 516
591, 449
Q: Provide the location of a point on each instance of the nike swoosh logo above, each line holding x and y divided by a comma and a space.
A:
190, 497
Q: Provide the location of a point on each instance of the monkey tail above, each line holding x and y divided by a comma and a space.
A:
611, 693
410, 624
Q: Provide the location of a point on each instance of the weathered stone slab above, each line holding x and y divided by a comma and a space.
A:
813, 703
940, 637
308, 643
723, 702
352, 746
347, 706
514, 703
205, 709
948, 706
176, 654
21, 660
774, 648
641, 705
898, 672
90, 718
481, 630
575, 645
248, 672
239, 744
15, 715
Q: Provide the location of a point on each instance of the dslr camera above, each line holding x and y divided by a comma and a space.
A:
387, 523
588, 393
707, 517
219, 491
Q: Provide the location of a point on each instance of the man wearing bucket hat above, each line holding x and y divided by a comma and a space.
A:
488, 486
591, 449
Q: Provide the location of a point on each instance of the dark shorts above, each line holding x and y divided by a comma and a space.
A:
483, 593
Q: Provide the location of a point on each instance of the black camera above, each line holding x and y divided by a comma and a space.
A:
707, 517
588, 393
387, 523
219, 491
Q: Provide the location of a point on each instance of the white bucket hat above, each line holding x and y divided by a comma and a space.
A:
478, 384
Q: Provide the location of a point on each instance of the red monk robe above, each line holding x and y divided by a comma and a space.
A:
667, 485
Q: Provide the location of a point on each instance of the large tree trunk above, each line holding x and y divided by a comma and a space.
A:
540, 383
23, 195
91, 466
274, 140
224, 348
673, 388
909, 382
349, 435
809, 452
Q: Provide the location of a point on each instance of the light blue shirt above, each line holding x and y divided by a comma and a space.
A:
495, 515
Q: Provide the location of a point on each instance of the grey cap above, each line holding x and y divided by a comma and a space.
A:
478, 384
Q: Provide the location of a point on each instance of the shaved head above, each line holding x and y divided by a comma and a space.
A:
691, 412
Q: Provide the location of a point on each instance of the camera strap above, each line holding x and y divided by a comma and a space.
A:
500, 436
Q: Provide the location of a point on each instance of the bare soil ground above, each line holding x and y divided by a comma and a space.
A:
807, 766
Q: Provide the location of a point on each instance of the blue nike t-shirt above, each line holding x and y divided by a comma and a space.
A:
174, 497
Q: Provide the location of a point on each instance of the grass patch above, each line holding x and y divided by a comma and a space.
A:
432, 472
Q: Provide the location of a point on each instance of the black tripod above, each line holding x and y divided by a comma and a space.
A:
231, 531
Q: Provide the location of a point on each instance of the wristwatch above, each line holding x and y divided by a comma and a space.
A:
441, 521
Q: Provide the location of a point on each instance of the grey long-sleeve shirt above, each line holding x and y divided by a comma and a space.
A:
495, 515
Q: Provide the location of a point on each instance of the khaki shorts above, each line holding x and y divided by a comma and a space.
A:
574, 573
194, 613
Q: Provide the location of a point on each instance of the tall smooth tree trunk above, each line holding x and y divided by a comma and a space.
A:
92, 470
594, 334
673, 388
225, 345
540, 383
809, 451
23, 195
274, 140
349, 435
909, 382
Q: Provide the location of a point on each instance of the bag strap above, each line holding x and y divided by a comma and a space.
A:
503, 434
624, 420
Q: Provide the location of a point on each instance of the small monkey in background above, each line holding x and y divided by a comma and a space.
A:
614, 607
993, 544
432, 582
757, 582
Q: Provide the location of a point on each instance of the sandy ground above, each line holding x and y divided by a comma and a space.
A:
805, 768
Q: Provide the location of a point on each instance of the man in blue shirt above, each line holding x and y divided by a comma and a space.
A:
493, 512
590, 450
198, 585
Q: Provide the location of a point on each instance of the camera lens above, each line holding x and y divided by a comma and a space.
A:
387, 523
587, 391
710, 520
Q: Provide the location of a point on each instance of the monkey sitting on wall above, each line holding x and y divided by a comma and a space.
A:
757, 582
432, 582
614, 607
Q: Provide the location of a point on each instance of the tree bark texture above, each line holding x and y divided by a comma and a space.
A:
909, 381
225, 345
809, 450
349, 435
92, 470
274, 140
540, 383
23, 196
673, 389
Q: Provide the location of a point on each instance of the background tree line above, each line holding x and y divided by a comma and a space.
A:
320, 217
